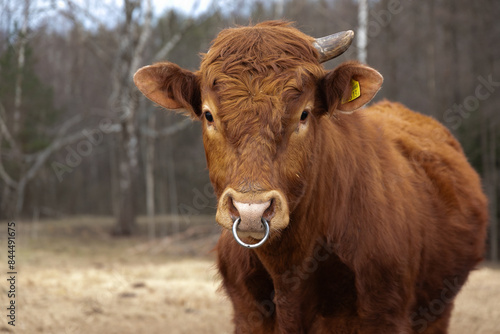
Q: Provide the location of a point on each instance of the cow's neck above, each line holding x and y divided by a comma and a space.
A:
299, 260
324, 209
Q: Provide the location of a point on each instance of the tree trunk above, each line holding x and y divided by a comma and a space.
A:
128, 171
362, 40
150, 185
488, 130
431, 60
20, 69
21, 187
124, 99
492, 193
8, 202
455, 61
172, 189
279, 9
126, 220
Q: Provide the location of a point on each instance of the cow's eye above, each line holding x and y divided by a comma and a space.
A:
304, 115
209, 117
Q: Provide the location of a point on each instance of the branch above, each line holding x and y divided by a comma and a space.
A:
42, 157
167, 48
5, 130
68, 124
60, 133
170, 45
5, 177
71, 15
168, 131
98, 51
77, 8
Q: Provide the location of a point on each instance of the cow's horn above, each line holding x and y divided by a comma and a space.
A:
334, 45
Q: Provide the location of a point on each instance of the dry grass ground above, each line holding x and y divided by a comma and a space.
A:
74, 278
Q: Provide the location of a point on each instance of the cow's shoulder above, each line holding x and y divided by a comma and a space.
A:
429, 148
411, 129
420, 138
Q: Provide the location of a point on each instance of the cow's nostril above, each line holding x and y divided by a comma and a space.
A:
269, 213
232, 209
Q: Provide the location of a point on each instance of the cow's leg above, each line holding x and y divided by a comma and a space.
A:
432, 313
384, 301
434, 322
439, 326
248, 285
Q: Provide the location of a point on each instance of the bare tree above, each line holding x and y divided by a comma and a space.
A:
28, 165
125, 100
133, 38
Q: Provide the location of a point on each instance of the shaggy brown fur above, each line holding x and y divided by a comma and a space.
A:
387, 217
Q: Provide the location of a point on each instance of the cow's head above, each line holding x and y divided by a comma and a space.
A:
262, 94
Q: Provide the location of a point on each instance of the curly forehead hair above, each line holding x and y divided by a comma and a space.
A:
276, 44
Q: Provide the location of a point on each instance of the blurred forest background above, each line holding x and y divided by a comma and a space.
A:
76, 137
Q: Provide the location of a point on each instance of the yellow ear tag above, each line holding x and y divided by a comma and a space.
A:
355, 91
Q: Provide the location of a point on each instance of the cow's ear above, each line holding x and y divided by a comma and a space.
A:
350, 86
170, 86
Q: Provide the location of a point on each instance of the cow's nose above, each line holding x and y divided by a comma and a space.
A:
250, 208
251, 215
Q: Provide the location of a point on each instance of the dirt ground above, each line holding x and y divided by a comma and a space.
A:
74, 278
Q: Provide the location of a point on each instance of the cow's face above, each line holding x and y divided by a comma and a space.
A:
262, 96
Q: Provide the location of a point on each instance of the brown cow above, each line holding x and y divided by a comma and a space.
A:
375, 217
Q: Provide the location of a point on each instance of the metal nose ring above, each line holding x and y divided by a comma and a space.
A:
260, 243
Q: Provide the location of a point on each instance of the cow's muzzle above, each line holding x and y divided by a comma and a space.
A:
248, 213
